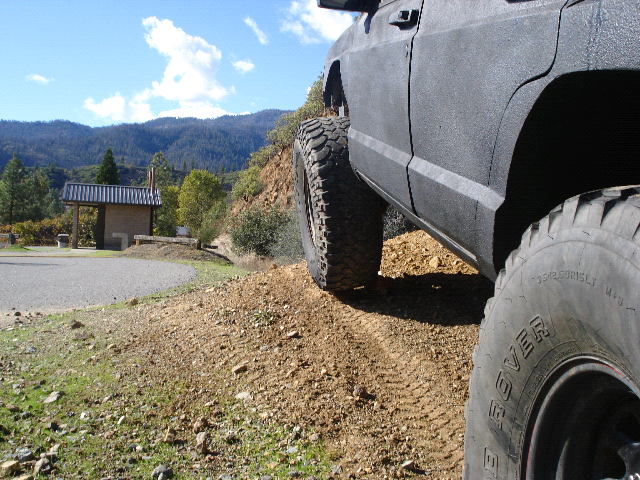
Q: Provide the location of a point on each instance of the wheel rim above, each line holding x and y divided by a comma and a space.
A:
308, 207
585, 426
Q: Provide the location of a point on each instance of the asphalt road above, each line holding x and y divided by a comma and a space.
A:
46, 284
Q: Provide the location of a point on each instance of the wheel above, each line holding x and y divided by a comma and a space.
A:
554, 393
340, 217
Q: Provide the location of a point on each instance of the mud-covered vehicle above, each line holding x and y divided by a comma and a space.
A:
476, 119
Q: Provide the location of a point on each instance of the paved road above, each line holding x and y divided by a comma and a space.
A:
46, 284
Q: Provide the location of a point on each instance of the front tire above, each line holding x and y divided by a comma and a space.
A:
340, 217
555, 389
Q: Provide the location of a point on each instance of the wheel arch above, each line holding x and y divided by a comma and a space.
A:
582, 134
333, 89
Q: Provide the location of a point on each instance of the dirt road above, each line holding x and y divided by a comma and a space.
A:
380, 375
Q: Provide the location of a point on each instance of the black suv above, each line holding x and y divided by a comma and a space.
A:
476, 119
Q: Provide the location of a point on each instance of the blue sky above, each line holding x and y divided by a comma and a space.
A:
103, 63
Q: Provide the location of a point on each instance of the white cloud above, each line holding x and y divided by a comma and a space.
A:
118, 109
195, 109
243, 66
38, 79
262, 37
314, 25
189, 79
193, 63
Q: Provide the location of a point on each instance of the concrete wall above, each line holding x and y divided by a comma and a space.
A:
132, 220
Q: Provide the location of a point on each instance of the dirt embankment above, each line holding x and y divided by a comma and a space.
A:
381, 376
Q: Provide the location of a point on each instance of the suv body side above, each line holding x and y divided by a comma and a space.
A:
483, 116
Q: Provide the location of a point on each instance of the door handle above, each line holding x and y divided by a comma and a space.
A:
404, 18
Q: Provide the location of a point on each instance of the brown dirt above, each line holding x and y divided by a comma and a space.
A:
277, 177
309, 355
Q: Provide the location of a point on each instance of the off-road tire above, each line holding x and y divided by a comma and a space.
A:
554, 392
340, 217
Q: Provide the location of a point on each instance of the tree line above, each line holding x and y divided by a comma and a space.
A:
207, 144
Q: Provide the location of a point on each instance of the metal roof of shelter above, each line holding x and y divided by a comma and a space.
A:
92, 194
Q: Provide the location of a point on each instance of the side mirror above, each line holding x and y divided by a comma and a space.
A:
348, 5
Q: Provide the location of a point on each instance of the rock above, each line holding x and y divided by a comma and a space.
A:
243, 396
53, 397
225, 476
408, 465
292, 450
84, 335
360, 392
336, 469
53, 426
30, 349
293, 334
131, 302
10, 467
202, 446
266, 477
435, 262
76, 324
169, 436
42, 466
25, 477
230, 438
12, 408
55, 448
24, 455
162, 470
314, 437
17, 314
200, 425
243, 367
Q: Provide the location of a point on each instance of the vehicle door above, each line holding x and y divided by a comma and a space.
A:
469, 57
378, 95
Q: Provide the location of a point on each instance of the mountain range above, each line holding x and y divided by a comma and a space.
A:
186, 142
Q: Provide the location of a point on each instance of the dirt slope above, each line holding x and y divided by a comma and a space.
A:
381, 376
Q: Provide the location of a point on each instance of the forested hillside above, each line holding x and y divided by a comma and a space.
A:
187, 143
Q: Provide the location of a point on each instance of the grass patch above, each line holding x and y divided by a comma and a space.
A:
209, 274
115, 409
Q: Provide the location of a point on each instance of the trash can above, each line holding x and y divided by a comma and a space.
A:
63, 240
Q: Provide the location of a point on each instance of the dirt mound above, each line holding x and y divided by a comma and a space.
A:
381, 376
170, 251
277, 177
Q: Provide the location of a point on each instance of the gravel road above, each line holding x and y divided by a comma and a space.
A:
47, 284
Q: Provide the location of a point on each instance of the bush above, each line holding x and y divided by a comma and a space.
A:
394, 224
213, 222
287, 247
46, 231
256, 231
248, 185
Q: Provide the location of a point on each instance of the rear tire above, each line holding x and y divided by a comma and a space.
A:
555, 389
340, 217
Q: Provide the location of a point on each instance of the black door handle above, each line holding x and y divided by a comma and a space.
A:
404, 18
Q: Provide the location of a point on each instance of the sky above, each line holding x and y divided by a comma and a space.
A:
110, 62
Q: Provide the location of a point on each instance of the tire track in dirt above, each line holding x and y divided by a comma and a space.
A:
408, 343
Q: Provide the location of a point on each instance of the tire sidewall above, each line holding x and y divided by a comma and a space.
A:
308, 244
570, 299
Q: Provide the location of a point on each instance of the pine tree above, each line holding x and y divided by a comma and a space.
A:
11, 191
108, 171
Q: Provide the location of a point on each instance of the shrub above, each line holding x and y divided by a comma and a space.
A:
255, 231
394, 224
248, 185
287, 247
213, 222
46, 231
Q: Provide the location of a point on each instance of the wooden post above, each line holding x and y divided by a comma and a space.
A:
74, 231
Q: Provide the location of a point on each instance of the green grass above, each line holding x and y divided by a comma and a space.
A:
101, 386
